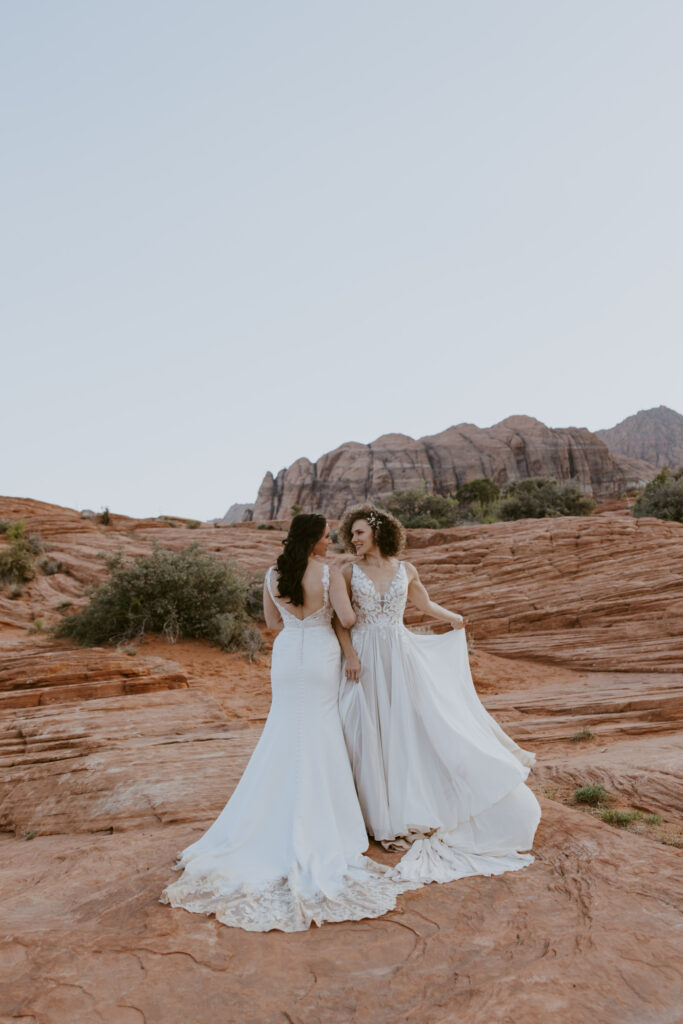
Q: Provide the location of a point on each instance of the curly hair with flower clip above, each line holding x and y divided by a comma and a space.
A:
388, 533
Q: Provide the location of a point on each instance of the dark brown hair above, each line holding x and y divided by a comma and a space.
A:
305, 531
388, 533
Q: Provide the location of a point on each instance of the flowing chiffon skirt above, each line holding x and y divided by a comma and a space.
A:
431, 766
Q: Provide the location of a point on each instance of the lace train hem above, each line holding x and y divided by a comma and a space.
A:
287, 905
434, 859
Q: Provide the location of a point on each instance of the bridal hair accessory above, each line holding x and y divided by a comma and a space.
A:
375, 519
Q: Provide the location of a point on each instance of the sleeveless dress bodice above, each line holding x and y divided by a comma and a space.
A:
374, 609
321, 617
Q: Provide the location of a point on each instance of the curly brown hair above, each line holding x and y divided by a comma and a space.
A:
388, 533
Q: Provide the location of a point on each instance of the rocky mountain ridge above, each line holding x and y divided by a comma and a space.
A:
653, 436
517, 447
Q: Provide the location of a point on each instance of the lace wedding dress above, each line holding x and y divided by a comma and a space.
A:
431, 766
287, 848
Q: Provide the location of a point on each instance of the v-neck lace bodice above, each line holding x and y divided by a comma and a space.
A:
373, 608
321, 617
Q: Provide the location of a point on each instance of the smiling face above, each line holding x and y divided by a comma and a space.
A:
321, 546
362, 537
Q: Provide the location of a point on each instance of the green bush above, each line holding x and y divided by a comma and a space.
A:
538, 497
254, 598
478, 502
481, 491
622, 819
105, 516
17, 562
415, 508
662, 497
182, 594
50, 566
590, 795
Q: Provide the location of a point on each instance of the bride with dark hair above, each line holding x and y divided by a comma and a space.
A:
435, 773
287, 849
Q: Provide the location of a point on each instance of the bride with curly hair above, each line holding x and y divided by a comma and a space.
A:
434, 772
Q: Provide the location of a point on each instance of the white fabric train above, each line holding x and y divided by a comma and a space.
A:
287, 849
432, 767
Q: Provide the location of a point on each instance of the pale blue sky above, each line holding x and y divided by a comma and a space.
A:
238, 233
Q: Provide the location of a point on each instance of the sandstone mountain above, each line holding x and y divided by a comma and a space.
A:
654, 436
517, 447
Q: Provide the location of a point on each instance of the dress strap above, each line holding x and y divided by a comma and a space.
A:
326, 584
269, 575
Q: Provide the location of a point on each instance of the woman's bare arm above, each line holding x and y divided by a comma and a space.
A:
340, 600
421, 599
348, 650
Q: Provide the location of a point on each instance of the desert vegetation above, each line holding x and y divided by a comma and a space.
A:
662, 497
180, 594
482, 501
18, 560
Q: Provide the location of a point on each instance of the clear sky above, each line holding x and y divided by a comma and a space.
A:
236, 233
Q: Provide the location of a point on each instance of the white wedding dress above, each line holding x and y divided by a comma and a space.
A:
431, 766
287, 848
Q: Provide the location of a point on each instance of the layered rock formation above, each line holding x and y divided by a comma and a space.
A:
519, 446
113, 761
652, 436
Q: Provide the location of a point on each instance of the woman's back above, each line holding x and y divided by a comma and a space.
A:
315, 587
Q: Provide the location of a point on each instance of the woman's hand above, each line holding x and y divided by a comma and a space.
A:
457, 621
353, 667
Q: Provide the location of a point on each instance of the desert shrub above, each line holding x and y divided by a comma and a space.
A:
653, 819
50, 566
105, 516
17, 561
590, 795
662, 497
582, 734
193, 524
261, 526
181, 594
620, 818
416, 508
538, 497
478, 502
5, 525
36, 544
254, 598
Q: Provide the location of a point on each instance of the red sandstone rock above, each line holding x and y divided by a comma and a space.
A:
113, 762
519, 446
